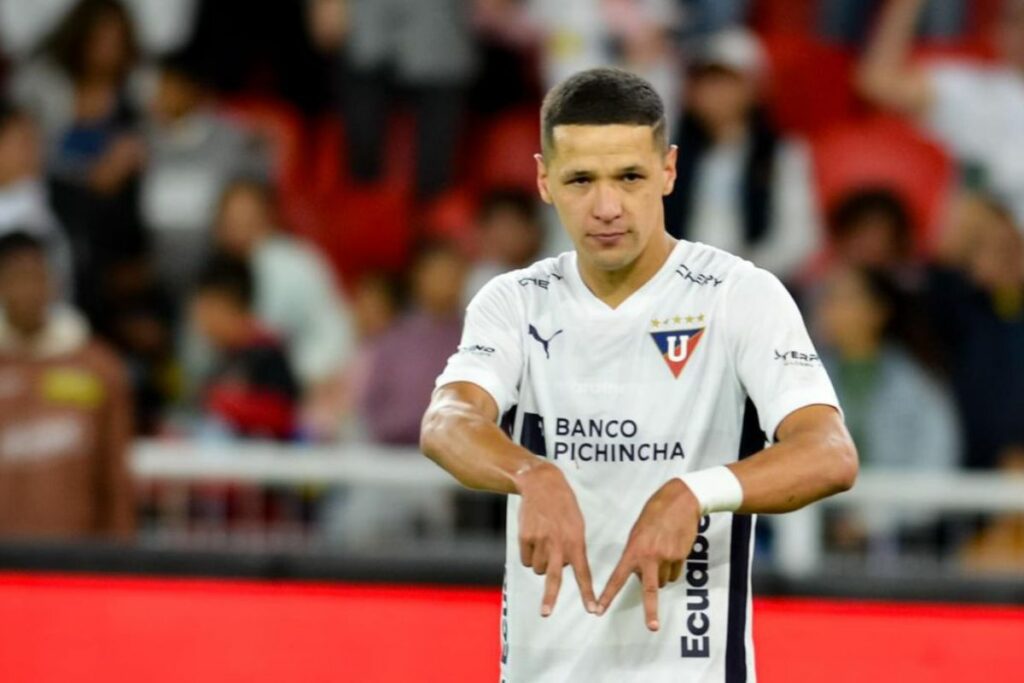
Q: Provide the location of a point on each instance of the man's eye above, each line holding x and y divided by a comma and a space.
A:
632, 177
579, 181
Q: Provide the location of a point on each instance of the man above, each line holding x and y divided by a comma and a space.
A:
623, 371
974, 109
65, 416
194, 152
251, 389
509, 236
295, 293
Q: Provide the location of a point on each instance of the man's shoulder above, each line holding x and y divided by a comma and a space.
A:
539, 277
703, 265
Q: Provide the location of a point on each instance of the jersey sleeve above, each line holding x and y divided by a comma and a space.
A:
490, 353
773, 354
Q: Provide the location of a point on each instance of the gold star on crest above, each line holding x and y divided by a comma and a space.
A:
655, 323
677, 320
689, 318
700, 318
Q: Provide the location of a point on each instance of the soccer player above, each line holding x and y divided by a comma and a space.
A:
635, 380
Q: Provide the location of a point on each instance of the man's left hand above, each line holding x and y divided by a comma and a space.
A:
658, 545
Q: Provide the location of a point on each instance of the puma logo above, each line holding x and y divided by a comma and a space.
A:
543, 342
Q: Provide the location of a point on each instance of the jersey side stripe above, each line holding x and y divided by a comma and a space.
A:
751, 441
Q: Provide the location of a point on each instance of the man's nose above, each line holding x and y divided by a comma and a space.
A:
607, 203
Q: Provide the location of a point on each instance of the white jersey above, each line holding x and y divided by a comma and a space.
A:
623, 400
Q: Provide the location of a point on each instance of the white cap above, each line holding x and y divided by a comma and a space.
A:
736, 49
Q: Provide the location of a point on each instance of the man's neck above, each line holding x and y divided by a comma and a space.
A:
615, 286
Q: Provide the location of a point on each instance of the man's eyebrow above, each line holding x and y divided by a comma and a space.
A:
572, 173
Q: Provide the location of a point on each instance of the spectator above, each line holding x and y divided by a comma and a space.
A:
741, 186
408, 355
295, 294
974, 109
24, 198
251, 391
976, 300
161, 26
295, 290
375, 307
424, 47
510, 236
871, 228
195, 153
66, 423
78, 92
573, 35
897, 408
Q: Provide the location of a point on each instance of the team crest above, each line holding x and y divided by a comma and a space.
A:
677, 345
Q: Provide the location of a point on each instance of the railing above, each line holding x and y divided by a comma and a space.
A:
799, 546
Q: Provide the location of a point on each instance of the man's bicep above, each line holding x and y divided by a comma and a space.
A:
817, 418
469, 396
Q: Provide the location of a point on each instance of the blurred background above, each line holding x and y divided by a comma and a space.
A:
237, 238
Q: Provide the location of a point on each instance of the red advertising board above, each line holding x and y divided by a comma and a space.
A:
114, 630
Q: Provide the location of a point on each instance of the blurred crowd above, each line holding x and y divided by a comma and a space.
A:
224, 220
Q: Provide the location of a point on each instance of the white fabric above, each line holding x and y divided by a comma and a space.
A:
65, 332
296, 295
978, 113
793, 233
610, 396
579, 34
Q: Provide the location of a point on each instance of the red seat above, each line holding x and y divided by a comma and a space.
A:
887, 152
508, 144
809, 84
368, 228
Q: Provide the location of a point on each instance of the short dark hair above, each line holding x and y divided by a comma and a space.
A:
68, 42
229, 276
513, 199
866, 202
17, 241
602, 96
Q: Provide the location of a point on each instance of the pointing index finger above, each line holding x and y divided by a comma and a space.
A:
649, 579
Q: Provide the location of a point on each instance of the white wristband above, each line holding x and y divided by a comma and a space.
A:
717, 489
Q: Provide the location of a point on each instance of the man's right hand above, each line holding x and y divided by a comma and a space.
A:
551, 532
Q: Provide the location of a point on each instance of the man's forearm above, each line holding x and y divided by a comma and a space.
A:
805, 466
473, 448
884, 74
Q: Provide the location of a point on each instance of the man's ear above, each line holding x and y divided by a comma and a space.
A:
542, 178
670, 169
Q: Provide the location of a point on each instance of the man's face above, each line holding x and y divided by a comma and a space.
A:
25, 290
218, 318
607, 184
243, 221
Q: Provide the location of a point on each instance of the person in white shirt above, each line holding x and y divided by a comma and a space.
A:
743, 186
656, 395
296, 294
974, 109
